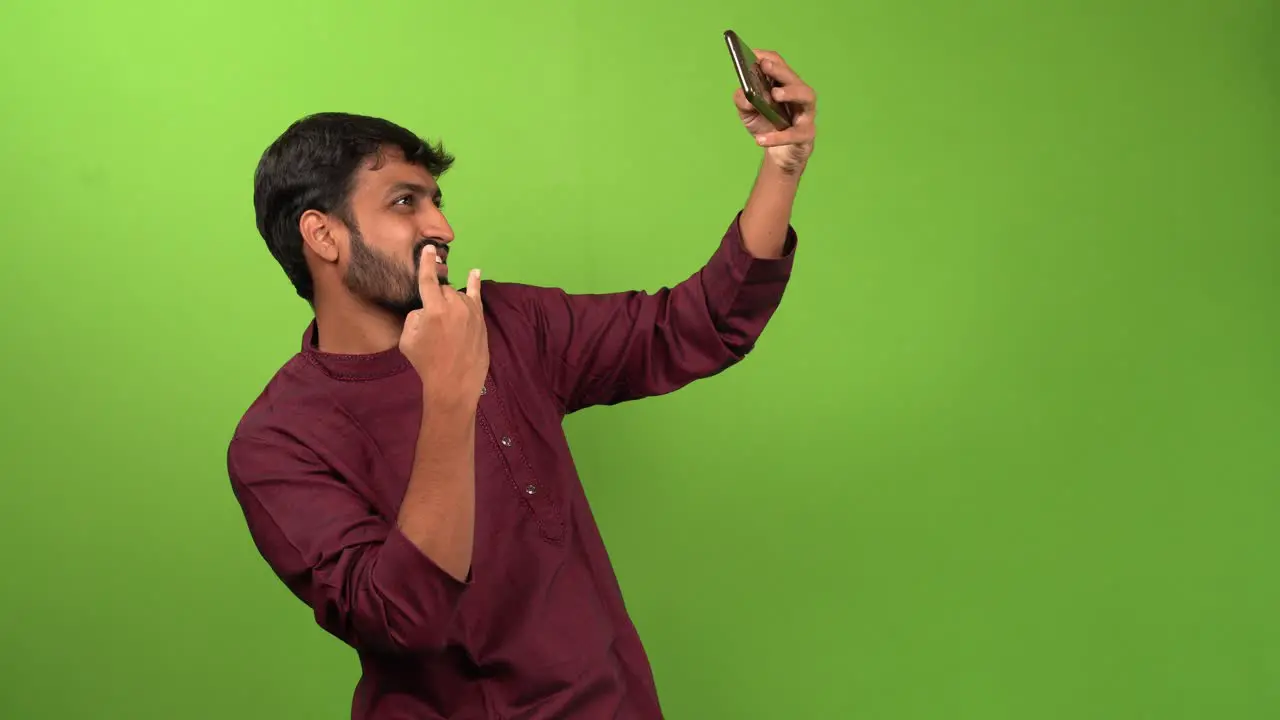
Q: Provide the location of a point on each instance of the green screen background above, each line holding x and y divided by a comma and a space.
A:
1010, 449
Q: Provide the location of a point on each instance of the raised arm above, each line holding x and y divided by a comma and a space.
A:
610, 348
606, 349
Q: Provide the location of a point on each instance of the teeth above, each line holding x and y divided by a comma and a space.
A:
439, 260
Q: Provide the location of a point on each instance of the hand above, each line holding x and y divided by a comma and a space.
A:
446, 341
789, 148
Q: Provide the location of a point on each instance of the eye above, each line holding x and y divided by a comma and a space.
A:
403, 201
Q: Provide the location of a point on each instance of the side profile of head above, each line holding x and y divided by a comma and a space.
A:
346, 204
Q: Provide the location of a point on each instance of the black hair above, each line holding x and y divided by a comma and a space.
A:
313, 165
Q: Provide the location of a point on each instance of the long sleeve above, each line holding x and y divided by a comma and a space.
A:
603, 349
366, 582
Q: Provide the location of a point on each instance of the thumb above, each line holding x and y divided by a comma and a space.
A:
473, 287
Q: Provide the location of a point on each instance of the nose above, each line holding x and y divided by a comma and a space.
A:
433, 224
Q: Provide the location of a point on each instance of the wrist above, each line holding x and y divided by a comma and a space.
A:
450, 406
787, 162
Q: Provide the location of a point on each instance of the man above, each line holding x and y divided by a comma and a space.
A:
406, 474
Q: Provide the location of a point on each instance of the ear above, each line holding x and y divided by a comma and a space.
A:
320, 234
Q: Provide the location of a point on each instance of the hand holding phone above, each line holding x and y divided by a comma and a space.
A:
755, 83
777, 107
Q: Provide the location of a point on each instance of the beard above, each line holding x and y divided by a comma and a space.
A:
374, 276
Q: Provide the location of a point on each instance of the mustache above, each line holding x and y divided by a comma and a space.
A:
442, 248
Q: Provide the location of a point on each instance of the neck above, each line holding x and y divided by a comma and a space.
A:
348, 326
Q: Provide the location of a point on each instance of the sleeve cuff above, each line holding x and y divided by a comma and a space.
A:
412, 569
415, 588
733, 268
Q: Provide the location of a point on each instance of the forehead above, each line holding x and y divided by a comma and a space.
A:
389, 170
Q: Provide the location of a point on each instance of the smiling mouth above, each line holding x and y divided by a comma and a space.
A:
442, 251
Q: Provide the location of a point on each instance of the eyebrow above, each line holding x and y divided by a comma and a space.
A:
418, 189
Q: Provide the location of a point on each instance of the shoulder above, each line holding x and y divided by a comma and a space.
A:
287, 424
504, 299
519, 312
291, 390
543, 308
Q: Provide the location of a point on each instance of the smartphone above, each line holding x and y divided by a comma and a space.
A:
755, 83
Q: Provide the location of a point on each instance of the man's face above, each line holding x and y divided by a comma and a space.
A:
396, 213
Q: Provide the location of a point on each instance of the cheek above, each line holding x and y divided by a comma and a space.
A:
393, 237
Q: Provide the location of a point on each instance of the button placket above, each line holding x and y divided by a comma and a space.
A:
532, 494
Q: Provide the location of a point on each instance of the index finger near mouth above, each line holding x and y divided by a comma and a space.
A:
428, 277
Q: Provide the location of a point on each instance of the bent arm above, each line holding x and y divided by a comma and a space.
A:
367, 582
439, 508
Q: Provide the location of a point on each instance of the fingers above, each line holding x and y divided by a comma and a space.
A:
775, 67
740, 100
791, 89
473, 287
428, 279
796, 95
798, 134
